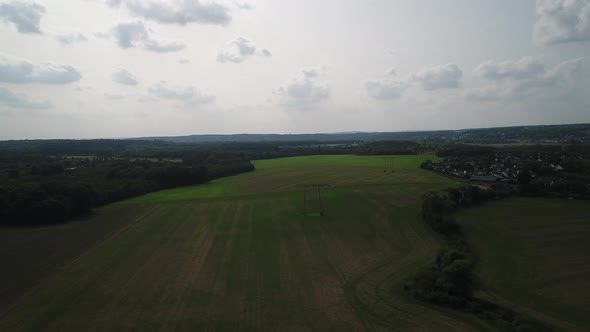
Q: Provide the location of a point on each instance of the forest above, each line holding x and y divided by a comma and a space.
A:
46, 184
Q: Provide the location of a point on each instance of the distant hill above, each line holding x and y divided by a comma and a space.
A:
570, 133
519, 134
319, 137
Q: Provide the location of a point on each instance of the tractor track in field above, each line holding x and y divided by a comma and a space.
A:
371, 292
127, 284
182, 286
249, 260
139, 285
219, 285
70, 263
255, 195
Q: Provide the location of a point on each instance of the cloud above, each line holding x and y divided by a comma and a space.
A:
83, 88
71, 38
385, 89
184, 61
433, 78
136, 34
21, 72
124, 77
490, 93
239, 50
188, 95
179, 12
305, 90
163, 46
524, 68
241, 4
128, 34
517, 84
9, 99
562, 21
565, 72
440, 77
111, 96
26, 16
312, 72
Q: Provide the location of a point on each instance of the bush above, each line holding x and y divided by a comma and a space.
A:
448, 281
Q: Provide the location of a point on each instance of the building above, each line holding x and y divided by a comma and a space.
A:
484, 178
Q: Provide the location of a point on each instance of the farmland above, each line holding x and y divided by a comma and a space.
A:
236, 254
535, 255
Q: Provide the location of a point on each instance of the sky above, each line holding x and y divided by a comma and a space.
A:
132, 68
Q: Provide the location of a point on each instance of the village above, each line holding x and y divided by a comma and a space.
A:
539, 175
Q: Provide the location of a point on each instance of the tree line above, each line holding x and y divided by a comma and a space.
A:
48, 190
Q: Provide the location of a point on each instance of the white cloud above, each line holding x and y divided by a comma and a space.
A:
490, 93
305, 90
124, 77
242, 4
21, 71
184, 61
565, 72
239, 50
385, 89
71, 38
312, 72
433, 78
179, 12
114, 96
524, 68
440, 77
136, 34
26, 16
562, 21
10, 99
130, 34
518, 85
163, 46
188, 95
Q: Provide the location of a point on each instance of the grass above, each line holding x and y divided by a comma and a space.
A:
30, 254
535, 255
284, 174
239, 254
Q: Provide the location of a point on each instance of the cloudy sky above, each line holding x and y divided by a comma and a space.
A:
127, 68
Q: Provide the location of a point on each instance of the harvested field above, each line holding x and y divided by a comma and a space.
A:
239, 254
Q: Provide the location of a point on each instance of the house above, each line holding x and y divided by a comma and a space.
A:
484, 178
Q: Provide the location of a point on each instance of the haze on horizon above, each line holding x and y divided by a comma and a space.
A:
129, 68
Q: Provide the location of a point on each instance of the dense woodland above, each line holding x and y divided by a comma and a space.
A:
36, 188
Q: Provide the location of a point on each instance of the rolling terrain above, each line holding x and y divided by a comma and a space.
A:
237, 254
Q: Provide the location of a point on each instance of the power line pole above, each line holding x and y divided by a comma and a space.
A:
320, 200
311, 186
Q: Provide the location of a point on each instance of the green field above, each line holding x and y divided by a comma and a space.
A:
535, 255
237, 254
